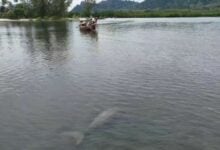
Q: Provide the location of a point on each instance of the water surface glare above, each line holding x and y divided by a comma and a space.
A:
162, 75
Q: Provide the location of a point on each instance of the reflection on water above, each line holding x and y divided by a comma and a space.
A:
48, 40
161, 74
92, 34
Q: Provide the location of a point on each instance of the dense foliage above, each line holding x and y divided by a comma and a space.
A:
35, 8
110, 8
207, 12
111, 5
159, 13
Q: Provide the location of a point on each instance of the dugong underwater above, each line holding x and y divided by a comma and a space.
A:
100, 120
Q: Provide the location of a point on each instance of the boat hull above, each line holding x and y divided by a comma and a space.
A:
88, 27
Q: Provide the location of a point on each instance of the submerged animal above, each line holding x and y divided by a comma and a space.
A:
100, 120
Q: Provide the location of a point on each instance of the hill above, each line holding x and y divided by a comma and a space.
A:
176, 4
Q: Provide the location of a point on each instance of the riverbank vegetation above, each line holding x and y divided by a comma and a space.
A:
58, 10
214, 12
34, 9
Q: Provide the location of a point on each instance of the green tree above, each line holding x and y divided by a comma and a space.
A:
39, 7
34, 8
3, 7
44, 8
88, 6
58, 7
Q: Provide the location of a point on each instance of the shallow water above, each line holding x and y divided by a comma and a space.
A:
162, 74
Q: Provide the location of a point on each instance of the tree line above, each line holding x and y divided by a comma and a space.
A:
34, 8
205, 12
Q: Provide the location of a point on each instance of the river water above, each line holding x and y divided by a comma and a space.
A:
162, 74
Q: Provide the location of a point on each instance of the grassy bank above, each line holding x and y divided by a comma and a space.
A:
161, 13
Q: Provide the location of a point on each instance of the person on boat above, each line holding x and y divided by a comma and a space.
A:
94, 20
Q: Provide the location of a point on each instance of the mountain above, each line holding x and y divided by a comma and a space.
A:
109, 5
149, 4
170, 4
116, 4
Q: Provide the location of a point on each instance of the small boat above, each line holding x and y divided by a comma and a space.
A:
88, 24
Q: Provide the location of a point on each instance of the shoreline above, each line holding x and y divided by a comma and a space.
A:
36, 20
76, 19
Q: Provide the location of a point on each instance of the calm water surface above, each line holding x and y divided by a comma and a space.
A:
162, 74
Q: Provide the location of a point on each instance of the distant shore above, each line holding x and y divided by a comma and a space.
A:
215, 12
168, 13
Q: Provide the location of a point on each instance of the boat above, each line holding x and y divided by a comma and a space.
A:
88, 24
